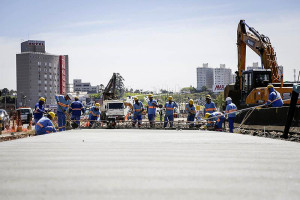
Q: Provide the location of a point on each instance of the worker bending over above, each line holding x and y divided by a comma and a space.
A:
138, 108
39, 110
215, 120
94, 114
45, 125
230, 109
76, 108
191, 111
209, 107
152, 104
169, 116
62, 107
274, 97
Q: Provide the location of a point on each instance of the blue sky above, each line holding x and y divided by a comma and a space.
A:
153, 44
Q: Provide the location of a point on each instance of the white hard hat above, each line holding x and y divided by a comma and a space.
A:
69, 95
228, 99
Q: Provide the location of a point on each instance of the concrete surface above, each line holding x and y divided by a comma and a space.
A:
149, 164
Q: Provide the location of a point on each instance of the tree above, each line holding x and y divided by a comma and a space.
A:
219, 101
5, 92
120, 88
204, 88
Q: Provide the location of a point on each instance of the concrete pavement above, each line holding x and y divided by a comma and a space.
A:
149, 164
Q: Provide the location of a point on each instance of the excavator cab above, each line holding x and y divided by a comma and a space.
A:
254, 78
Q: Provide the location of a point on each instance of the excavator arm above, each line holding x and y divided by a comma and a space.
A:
261, 45
109, 92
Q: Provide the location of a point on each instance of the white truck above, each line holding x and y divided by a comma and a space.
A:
112, 111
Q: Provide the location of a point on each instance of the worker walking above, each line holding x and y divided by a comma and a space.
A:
275, 99
230, 109
39, 110
76, 108
169, 116
214, 120
152, 104
62, 107
94, 114
45, 125
209, 107
191, 111
138, 108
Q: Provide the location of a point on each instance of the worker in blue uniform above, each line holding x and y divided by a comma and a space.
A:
169, 116
39, 110
215, 120
45, 125
191, 111
152, 104
138, 108
231, 111
275, 99
209, 107
94, 114
76, 108
62, 107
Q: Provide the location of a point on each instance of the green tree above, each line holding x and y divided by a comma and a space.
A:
219, 101
120, 87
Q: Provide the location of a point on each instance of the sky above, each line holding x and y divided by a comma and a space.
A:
152, 44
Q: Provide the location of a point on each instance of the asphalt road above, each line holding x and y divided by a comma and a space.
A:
149, 164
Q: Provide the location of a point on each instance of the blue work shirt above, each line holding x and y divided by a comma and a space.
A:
210, 107
274, 98
76, 108
170, 108
216, 117
44, 122
62, 103
231, 107
138, 108
152, 107
94, 112
190, 110
38, 110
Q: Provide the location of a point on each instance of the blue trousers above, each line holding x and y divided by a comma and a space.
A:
169, 118
77, 118
151, 117
137, 118
92, 120
61, 121
191, 119
231, 125
44, 130
220, 123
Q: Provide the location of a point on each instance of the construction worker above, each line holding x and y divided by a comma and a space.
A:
230, 109
209, 107
62, 107
39, 110
191, 111
45, 125
152, 104
215, 120
274, 97
169, 116
138, 108
94, 114
76, 108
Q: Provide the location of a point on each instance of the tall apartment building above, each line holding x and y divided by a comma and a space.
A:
78, 86
40, 74
222, 75
256, 66
204, 77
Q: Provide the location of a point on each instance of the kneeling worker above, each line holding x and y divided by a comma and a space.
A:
138, 108
94, 114
169, 116
45, 125
191, 111
215, 120
274, 97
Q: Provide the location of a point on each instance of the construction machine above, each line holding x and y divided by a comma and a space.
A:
112, 109
250, 88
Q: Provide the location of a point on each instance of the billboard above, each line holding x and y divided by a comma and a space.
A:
218, 88
62, 65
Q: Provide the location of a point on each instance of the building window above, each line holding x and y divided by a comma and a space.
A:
45, 88
39, 82
45, 82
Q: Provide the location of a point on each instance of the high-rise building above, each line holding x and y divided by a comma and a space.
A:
40, 74
78, 86
254, 66
204, 77
221, 77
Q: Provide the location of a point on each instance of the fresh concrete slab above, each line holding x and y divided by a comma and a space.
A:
149, 164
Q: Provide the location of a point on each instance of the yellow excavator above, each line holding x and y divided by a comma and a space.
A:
250, 88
